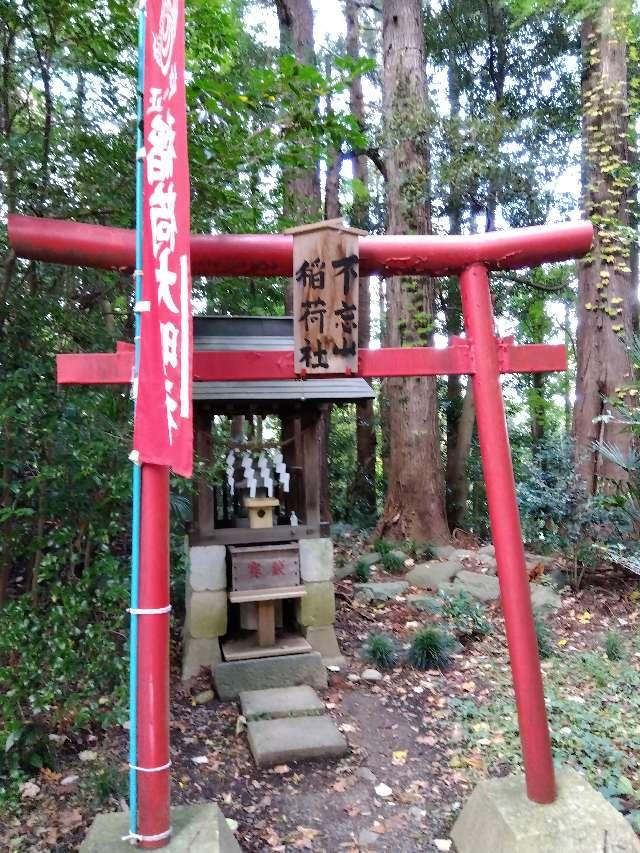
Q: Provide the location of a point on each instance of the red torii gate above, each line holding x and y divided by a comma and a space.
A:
481, 354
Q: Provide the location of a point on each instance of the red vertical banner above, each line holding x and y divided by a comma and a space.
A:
163, 433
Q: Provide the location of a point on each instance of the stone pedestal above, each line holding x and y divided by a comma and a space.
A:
498, 818
207, 604
199, 828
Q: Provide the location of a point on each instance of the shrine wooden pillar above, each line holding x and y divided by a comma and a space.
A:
311, 435
204, 502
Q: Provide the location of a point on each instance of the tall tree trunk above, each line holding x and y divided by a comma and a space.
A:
415, 506
302, 200
364, 484
334, 165
460, 411
301, 187
605, 288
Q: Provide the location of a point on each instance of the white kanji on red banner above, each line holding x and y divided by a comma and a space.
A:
163, 433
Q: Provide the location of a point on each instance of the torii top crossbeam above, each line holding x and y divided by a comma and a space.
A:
99, 246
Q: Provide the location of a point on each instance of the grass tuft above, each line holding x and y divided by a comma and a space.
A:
363, 570
613, 646
380, 650
431, 649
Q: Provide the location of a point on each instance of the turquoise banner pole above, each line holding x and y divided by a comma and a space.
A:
137, 473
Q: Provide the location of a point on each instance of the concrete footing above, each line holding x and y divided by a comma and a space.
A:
199, 828
498, 818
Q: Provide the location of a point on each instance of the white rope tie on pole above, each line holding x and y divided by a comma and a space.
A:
151, 769
141, 153
148, 611
134, 837
142, 307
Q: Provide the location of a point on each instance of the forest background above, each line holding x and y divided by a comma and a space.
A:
450, 117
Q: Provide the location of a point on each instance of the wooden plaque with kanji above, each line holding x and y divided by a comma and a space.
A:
325, 302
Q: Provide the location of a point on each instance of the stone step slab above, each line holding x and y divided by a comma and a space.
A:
280, 702
294, 739
231, 678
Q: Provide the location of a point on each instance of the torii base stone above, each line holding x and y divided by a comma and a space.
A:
199, 828
498, 818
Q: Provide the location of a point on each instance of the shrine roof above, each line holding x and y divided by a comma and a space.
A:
237, 334
274, 390
242, 333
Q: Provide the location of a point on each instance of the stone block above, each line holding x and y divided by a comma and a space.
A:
384, 591
231, 678
425, 603
295, 739
433, 574
483, 587
277, 702
442, 551
207, 567
543, 597
198, 653
199, 828
323, 639
206, 614
316, 560
318, 606
498, 818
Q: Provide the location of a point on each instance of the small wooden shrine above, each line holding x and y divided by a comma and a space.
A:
260, 579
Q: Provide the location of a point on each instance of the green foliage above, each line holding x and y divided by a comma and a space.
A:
380, 649
558, 513
63, 665
383, 546
363, 570
466, 616
545, 639
593, 705
431, 649
613, 646
105, 785
392, 563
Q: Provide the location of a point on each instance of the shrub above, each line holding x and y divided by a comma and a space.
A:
431, 649
380, 649
382, 546
63, 665
467, 616
545, 638
559, 513
392, 563
613, 646
363, 570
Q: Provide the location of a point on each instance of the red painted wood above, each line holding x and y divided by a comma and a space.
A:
507, 536
153, 654
95, 368
77, 244
115, 368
